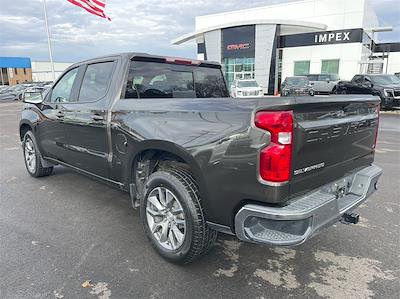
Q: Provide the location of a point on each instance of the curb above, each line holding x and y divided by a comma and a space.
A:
393, 112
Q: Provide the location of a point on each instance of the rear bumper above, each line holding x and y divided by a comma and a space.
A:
307, 215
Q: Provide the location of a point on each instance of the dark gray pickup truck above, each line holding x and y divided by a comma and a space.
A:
196, 162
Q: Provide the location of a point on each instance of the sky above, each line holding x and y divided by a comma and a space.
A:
137, 25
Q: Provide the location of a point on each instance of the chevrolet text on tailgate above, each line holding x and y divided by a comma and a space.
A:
195, 162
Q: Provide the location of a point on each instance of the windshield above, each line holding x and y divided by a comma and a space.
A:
296, 81
247, 83
385, 79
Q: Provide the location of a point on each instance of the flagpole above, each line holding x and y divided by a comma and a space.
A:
48, 40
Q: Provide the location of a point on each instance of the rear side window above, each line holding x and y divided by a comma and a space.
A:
95, 81
163, 80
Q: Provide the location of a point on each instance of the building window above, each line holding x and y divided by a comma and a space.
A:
330, 66
301, 68
238, 68
16, 71
24, 71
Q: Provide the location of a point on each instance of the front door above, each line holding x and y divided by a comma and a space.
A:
55, 113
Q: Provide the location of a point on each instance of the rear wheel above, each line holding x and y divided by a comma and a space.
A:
32, 157
172, 216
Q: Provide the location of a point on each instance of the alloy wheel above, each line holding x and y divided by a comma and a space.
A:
166, 218
30, 155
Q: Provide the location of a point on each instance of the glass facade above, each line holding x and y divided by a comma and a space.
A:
301, 68
238, 68
330, 66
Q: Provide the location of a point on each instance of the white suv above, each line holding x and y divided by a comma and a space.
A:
323, 82
246, 88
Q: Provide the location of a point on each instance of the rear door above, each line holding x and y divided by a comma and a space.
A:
87, 130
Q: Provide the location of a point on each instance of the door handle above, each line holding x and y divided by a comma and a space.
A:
97, 117
60, 114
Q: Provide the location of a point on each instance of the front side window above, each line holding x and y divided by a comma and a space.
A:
163, 80
301, 68
62, 91
312, 77
324, 77
330, 66
358, 79
95, 81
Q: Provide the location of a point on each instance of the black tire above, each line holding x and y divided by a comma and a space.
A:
199, 238
38, 170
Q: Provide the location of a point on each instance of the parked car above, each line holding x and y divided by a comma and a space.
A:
297, 85
387, 87
196, 162
12, 93
3, 87
245, 88
323, 83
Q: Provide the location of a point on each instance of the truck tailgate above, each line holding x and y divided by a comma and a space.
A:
331, 138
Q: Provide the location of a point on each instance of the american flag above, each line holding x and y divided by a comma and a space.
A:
95, 7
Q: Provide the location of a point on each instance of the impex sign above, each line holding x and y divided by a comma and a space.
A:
322, 38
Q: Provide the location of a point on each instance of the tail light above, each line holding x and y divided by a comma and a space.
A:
276, 158
377, 126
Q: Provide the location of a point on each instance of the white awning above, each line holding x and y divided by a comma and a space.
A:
193, 35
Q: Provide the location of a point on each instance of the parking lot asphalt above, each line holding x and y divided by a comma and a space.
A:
59, 231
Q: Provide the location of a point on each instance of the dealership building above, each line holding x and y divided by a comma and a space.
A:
273, 42
16, 70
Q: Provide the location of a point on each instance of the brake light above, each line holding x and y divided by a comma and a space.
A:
182, 61
276, 158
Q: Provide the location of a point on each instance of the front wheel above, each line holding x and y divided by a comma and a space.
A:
32, 157
172, 216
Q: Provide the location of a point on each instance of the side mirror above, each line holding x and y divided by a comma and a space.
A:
32, 97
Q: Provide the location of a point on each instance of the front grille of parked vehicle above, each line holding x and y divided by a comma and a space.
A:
397, 93
250, 93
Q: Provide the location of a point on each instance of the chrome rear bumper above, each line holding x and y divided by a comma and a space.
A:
306, 215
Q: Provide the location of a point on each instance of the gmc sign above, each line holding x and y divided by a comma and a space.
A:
238, 46
238, 42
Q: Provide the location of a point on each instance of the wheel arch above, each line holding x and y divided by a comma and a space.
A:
24, 127
170, 152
